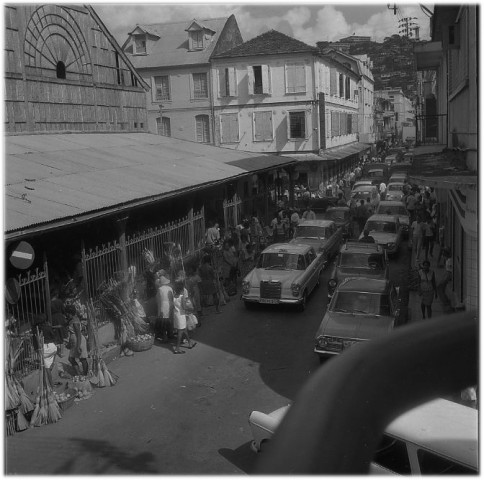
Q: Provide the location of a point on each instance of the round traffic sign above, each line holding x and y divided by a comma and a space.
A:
22, 255
12, 291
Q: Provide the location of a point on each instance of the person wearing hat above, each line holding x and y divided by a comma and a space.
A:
165, 306
427, 288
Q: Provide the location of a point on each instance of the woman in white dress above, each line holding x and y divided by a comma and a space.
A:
165, 306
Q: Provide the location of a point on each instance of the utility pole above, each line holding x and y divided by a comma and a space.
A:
394, 8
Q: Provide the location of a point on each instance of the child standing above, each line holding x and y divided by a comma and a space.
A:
180, 319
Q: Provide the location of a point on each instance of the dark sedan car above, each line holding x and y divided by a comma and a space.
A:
342, 218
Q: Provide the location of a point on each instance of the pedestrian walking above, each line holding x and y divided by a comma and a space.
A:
367, 238
209, 284
212, 237
427, 288
180, 317
429, 237
341, 201
416, 235
361, 215
442, 285
308, 214
410, 205
229, 266
164, 307
278, 229
193, 286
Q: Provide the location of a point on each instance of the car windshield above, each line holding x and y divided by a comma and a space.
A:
361, 302
336, 214
281, 261
392, 209
380, 226
361, 260
364, 194
303, 231
375, 173
395, 187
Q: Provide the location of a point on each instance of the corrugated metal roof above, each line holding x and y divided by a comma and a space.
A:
336, 153
49, 178
172, 47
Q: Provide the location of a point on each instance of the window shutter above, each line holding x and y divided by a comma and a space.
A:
333, 82
250, 77
300, 78
334, 124
221, 82
263, 126
229, 127
354, 120
266, 80
153, 89
349, 123
203, 132
232, 82
290, 78
342, 123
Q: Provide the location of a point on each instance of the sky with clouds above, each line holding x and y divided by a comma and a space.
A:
308, 22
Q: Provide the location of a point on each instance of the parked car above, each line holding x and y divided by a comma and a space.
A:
394, 191
357, 259
285, 274
398, 177
392, 207
386, 231
375, 166
445, 446
391, 159
342, 218
361, 182
363, 192
361, 309
376, 175
323, 235
321, 204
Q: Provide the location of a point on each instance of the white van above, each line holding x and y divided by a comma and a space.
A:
437, 438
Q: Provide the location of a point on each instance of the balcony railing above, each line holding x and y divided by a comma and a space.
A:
431, 129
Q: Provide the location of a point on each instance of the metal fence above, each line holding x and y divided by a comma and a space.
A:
32, 305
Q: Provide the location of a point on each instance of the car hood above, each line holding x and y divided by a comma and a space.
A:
286, 277
394, 196
359, 272
384, 237
357, 326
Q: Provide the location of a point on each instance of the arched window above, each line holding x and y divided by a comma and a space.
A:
61, 70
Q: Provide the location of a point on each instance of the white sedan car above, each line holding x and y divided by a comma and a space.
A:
386, 231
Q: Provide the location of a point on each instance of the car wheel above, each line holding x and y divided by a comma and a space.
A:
302, 305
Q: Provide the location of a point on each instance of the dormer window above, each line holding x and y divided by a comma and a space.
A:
197, 40
199, 36
140, 44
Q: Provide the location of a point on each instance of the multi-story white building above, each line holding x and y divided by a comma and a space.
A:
174, 58
276, 94
403, 112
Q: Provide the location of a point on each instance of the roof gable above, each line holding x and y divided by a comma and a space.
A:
197, 26
269, 43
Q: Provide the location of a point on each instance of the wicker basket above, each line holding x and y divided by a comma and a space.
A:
140, 346
11, 421
69, 402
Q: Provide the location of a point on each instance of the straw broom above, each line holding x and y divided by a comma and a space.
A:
26, 404
22, 423
35, 415
53, 410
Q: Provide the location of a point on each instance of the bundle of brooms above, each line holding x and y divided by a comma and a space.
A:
101, 376
46, 409
15, 396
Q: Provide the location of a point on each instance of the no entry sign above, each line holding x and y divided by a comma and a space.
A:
22, 255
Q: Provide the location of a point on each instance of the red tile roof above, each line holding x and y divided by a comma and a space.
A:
269, 43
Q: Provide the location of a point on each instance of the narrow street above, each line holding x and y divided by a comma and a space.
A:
163, 419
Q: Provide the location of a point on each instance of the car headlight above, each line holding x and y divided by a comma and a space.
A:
390, 245
332, 283
348, 343
245, 286
296, 289
321, 342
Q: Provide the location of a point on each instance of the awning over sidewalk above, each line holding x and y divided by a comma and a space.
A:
449, 182
64, 178
336, 153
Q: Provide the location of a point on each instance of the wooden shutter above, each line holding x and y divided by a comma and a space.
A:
263, 127
349, 123
300, 78
354, 121
290, 78
203, 132
232, 82
250, 79
334, 124
229, 123
333, 83
221, 83
342, 123
266, 79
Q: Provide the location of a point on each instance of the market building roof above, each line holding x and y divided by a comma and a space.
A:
57, 179
336, 153
172, 46
269, 43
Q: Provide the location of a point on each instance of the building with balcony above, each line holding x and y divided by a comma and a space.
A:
449, 91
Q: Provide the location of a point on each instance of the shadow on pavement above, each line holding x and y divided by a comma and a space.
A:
243, 457
109, 457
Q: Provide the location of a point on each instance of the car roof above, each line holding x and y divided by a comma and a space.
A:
364, 188
362, 284
361, 247
288, 248
396, 183
316, 223
390, 203
337, 208
442, 426
383, 217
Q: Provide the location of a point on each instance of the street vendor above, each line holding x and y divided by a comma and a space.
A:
77, 343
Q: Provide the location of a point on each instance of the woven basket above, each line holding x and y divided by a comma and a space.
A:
140, 346
11, 421
69, 402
